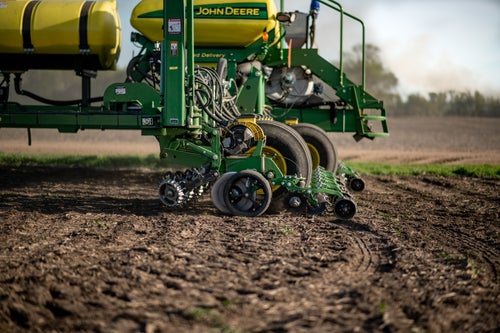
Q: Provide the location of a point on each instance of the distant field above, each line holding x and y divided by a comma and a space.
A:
450, 140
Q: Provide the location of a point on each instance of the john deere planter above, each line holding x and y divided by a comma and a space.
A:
239, 100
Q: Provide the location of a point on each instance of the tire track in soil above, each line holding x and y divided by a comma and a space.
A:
355, 292
360, 257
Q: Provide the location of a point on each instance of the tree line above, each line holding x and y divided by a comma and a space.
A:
383, 84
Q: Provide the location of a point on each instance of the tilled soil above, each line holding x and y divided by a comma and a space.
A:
94, 251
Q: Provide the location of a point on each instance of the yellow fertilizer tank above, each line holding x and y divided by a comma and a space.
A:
59, 34
233, 23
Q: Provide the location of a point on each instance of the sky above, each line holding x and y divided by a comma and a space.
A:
430, 45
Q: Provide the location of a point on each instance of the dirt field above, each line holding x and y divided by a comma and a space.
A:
94, 251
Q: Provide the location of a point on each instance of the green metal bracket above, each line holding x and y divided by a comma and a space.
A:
127, 96
262, 164
322, 182
251, 97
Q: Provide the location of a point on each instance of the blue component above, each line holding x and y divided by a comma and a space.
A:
314, 7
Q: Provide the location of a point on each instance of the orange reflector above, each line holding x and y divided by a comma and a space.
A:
265, 36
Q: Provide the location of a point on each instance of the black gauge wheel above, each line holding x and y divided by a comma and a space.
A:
247, 193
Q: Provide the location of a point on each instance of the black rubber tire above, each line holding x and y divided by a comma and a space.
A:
217, 193
325, 150
345, 209
292, 146
247, 193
